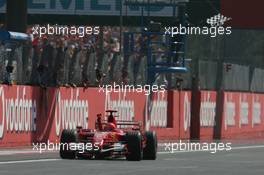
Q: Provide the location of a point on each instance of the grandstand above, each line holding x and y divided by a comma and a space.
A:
208, 56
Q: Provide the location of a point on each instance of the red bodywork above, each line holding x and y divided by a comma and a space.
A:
108, 139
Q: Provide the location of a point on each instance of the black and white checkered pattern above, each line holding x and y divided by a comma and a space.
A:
217, 20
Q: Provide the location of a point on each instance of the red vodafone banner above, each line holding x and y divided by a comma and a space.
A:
243, 115
31, 114
130, 106
156, 112
69, 108
18, 114
164, 115
184, 110
207, 114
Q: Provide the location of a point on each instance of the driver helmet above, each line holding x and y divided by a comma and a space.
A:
110, 119
110, 127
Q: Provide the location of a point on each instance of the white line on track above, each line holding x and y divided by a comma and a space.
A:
28, 161
233, 148
248, 147
12, 152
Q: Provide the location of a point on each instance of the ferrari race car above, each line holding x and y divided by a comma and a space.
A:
110, 139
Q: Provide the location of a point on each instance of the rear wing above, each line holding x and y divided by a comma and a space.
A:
125, 124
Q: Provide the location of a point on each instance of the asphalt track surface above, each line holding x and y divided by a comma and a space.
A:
242, 160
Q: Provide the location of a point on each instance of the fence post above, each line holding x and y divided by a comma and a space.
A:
219, 101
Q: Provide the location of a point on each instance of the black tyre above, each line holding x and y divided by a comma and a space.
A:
134, 146
67, 136
150, 151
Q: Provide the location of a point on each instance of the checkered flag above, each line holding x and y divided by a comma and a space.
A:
217, 20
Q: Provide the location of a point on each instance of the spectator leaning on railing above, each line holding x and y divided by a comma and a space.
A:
57, 60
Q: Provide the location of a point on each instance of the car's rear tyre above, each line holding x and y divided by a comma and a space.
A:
134, 146
150, 151
67, 136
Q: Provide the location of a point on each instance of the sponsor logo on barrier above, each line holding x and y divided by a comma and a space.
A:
122, 105
207, 111
158, 113
70, 113
230, 111
256, 111
186, 112
18, 114
243, 109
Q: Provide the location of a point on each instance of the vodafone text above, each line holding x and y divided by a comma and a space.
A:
18, 114
70, 113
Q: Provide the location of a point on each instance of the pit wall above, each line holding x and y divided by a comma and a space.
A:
31, 114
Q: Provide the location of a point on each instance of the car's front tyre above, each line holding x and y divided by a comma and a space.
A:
134, 146
67, 137
150, 151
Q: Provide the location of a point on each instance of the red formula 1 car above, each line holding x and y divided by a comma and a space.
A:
110, 139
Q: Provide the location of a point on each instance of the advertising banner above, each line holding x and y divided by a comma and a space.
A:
89, 7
